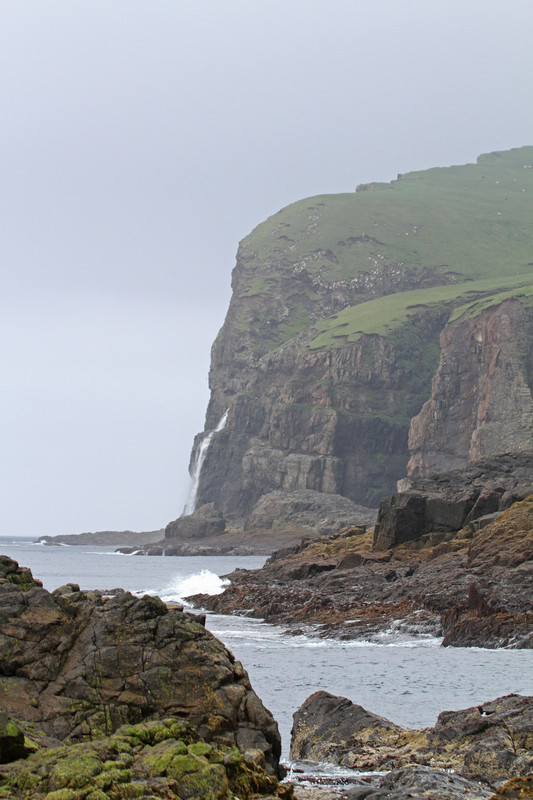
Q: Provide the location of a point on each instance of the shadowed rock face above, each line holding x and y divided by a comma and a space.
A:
333, 422
80, 665
488, 743
448, 501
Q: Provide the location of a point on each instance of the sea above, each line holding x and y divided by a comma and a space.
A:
408, 679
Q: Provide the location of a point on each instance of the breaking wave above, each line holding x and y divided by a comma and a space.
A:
203, 582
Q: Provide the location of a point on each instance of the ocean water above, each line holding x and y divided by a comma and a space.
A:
408, 680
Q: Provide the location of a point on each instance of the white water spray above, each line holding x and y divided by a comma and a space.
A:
201, 453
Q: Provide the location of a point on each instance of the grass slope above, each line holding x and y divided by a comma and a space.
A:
468, 223
473, 220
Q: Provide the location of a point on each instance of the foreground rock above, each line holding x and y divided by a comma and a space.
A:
473, 586
490, 744
159, 759
78, 665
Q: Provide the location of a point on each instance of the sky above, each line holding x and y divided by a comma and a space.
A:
140, 142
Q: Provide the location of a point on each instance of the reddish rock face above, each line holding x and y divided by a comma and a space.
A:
481, 401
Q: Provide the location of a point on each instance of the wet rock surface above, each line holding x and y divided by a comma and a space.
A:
488, 744
78, 665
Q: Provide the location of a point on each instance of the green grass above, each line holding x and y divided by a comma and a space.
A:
385, 314
472, 310
472, 220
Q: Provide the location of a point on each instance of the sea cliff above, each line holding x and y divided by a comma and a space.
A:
373, 335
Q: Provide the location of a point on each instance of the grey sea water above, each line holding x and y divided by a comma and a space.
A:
405, 679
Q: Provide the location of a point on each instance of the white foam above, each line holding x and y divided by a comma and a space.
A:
203, 582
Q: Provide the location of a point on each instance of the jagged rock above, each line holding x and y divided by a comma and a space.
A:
473, 585
448, 501
78, 665
489, 743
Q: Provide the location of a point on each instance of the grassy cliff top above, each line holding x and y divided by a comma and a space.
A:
466, 231
473, 221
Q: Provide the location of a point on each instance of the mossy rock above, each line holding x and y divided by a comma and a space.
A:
75, 771
63, 794
117, 769
12, 744
209, 783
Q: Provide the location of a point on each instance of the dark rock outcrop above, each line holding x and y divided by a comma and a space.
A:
11, 740
104, 538
448, 501
489, 743
422, 783
206, 521
78, 665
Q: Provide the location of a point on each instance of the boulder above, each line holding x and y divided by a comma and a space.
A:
78, 665
326, 727
490, 743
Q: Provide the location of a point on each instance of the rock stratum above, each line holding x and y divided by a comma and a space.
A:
371, 336
451, 556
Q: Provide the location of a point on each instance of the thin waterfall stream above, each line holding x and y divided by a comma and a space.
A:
201, 453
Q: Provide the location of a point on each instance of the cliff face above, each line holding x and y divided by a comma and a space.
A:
480, 402
341, 308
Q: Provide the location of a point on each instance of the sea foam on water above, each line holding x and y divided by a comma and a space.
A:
203, 582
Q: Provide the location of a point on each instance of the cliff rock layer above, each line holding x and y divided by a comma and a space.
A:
342, 306
480, 402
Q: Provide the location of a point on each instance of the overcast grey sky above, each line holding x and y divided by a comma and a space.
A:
139, 142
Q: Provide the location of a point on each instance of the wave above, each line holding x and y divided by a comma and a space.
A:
203, 582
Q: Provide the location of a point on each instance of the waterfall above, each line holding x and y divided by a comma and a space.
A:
201, 453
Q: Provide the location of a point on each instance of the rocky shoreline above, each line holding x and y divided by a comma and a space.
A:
109, 696
472, 586
469, 753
